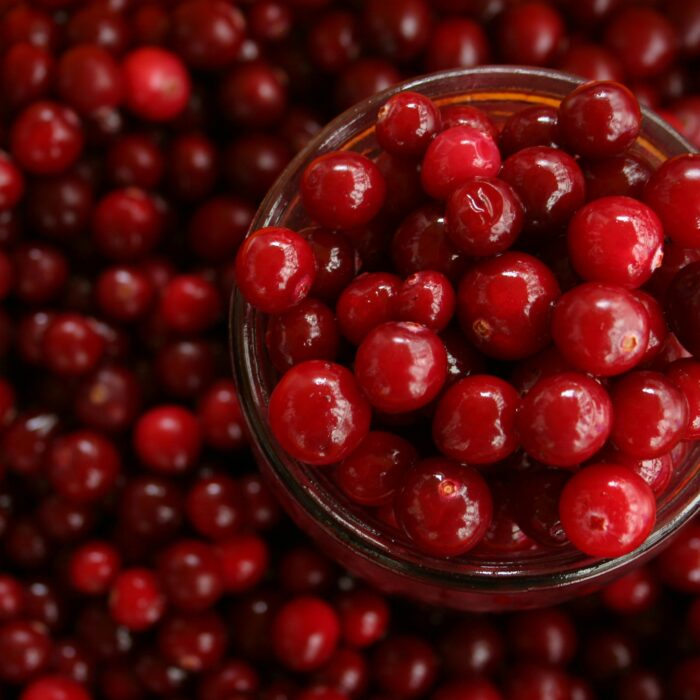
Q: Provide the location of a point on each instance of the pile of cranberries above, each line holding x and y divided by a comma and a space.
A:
502, 343
142, 556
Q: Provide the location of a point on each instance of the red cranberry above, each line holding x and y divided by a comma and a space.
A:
54, 688
550, 184
156, 84
644, 41
23, 24
305, 633
253, 162
24, 650
455, 156
11, 598
651, 414
333, 42
364, 617
536, 509
275, 269
136, 599
337, 261
71, 345
543, 636
214, 506
532, 126
218, 226
625, 175
444, 507
608, 654
346, 671
342, 190
601, 328
530, 681
221, 418
134, 160
593, 62
40, 272
404, 666
60, 207
599, 119
127, 224
124, 293
190, 304
308, 331
46, 138
96, 23
253, 94
505, 305
457, 42
93, 568
475, 689
406, 124
151, 509
167, 439
607, 510
89, 79
192, 167
244, 561
26, 441
231, 677
466, 115
472, 647
371, 474
399, 29
193, 642
685, 375
303, 570
530, 33
632, 593
679, 564
342, 412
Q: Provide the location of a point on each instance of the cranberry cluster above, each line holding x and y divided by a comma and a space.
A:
142, 555
581, 380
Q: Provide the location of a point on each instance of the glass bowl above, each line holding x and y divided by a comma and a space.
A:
344, 531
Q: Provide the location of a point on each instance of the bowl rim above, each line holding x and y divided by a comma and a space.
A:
246, 332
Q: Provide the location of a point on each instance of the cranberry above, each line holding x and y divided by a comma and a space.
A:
476, 688
593, 62
404, 666
466, 115
346, 671
624, 175
475, 420
46, 138
651, 414
644, 41
632, 593
124, 293
401, 366
679, 564
221, 418
71, 345
193, 642
11, 598
151, 509
600, 328
599, 119
89, 79
342, 190
456, 155
530, 34
484, 216
371, 474
214, 506
671, 194
505, 305
207, 33
303, 570
244, 561
543, 636
96, 23
421, 243
26, 441
305, 633
536, 510
11, 183
532, 126
233, 676
54, 688
156, 84
457, 42
24, 650
191, 575
134, 160
275, 269
127, 224
308, 331
445, 508
609, 654
549, 182
93, 567
607, 510
684, 374
253, 162
60, 207
136, 599
218, 226
342, 412
529, 681
398, 29
167, 439
406, 124
253, 94
27, 24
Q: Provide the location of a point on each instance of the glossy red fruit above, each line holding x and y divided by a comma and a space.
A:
599, 119
194, 642
342, 190
682, 308
275, 269
444, 507
672, 194
406, 124
427, 298
530, 33
372, 473
401, 366
136, 599
71, 345
93, 567
457, 42
54, 688
474, 420
565, 419
651, 414
454, 156
532, 126
550, 184
625, 175
331, 394
305, 633
505, 304
616, 240
46, 138
601, 328
484, 216
685, 375
607, 510
156, 84
632, 593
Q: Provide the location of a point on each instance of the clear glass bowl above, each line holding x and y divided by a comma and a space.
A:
342, 529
